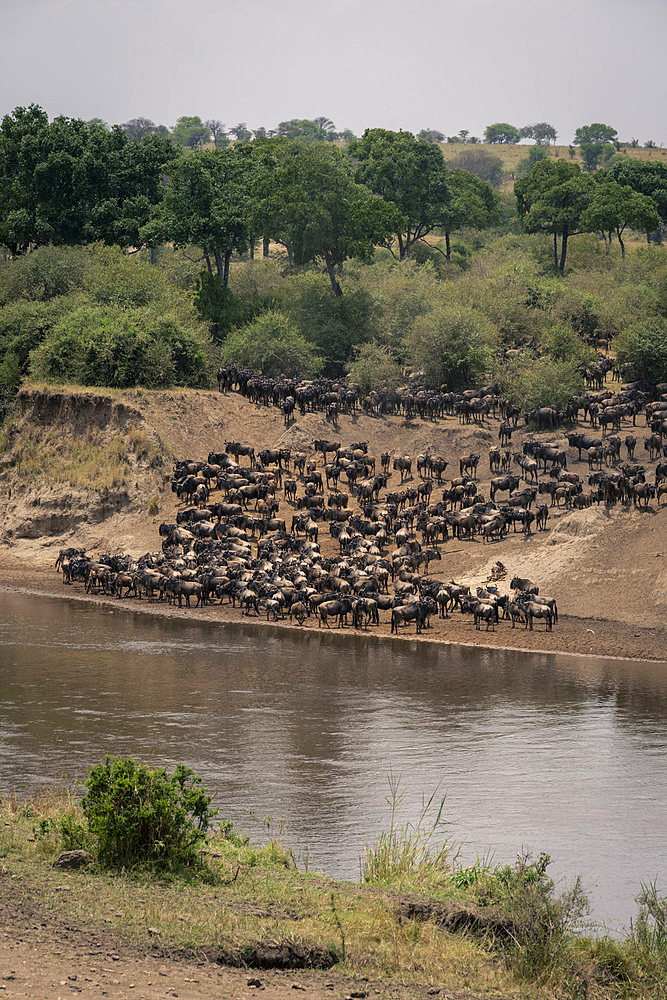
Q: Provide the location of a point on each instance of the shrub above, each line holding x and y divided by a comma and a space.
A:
146, 817
333, 324
529, 382
453, 345
272, 345
374, 368
109, 346
643, 347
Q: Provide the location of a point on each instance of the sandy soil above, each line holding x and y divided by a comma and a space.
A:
605, 566
45, 957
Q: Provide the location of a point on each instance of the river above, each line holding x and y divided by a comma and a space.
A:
563, 754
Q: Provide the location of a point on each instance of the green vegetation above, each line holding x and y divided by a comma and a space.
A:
419, 918
140, 816
148, 273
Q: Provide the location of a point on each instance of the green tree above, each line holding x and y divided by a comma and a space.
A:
218, 133
597, 132
552, 199
241, 133
615, 206
541, 132
649, 179
190, 132
65, 182
431, 135
643, 346
335, 326
138, 128
305, 198
472, 203
501, 132
535, 154
271, 344
409, 173
206, 204
453, 345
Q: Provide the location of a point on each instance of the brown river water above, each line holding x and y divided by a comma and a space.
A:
563, 754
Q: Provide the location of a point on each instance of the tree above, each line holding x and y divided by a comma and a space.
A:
65, 182
535, 154
305, 198
552, 199
645, 178
408, 172
541, 132
241, 132
137, 128
597, 132
327, 129
190, 131
217, 130
206, 204
453, 345
431, 135
472, 203
272, 345
615, 206
501, 132
481, 163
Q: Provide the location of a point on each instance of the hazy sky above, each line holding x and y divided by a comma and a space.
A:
446, 64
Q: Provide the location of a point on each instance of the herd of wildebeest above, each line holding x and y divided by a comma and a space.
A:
248, 524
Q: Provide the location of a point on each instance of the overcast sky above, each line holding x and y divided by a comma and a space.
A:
445, 64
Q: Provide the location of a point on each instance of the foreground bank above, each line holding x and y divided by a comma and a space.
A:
417, 930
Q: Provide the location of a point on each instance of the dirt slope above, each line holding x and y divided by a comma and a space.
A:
601, 563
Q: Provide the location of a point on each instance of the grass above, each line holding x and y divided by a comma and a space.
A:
256, 894
45, 456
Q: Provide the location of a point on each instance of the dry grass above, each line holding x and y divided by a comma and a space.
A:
46, 456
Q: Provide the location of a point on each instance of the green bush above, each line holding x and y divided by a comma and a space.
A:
272, 345
146, 817
108, 346
453, 345
643, 347
374, 368
528, 381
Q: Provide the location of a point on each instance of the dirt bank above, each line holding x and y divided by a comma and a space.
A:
605, 566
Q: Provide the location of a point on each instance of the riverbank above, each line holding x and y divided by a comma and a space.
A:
579, 636
256, 922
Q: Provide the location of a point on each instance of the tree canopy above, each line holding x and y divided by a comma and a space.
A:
552, 199
615, 206
69, 182
502, 132
191, 132
206, 205
410, 173
305, 197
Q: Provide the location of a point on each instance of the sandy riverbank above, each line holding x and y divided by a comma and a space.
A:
582, 636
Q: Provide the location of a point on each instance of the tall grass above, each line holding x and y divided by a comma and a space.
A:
411, 851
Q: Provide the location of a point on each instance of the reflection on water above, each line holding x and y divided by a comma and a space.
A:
548, 752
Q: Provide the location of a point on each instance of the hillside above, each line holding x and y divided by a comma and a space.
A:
82, 468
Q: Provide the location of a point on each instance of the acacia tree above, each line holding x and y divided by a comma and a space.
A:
552, 199
305, 197
645, 178
206, 204
502, 132
615, 206
408, 172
